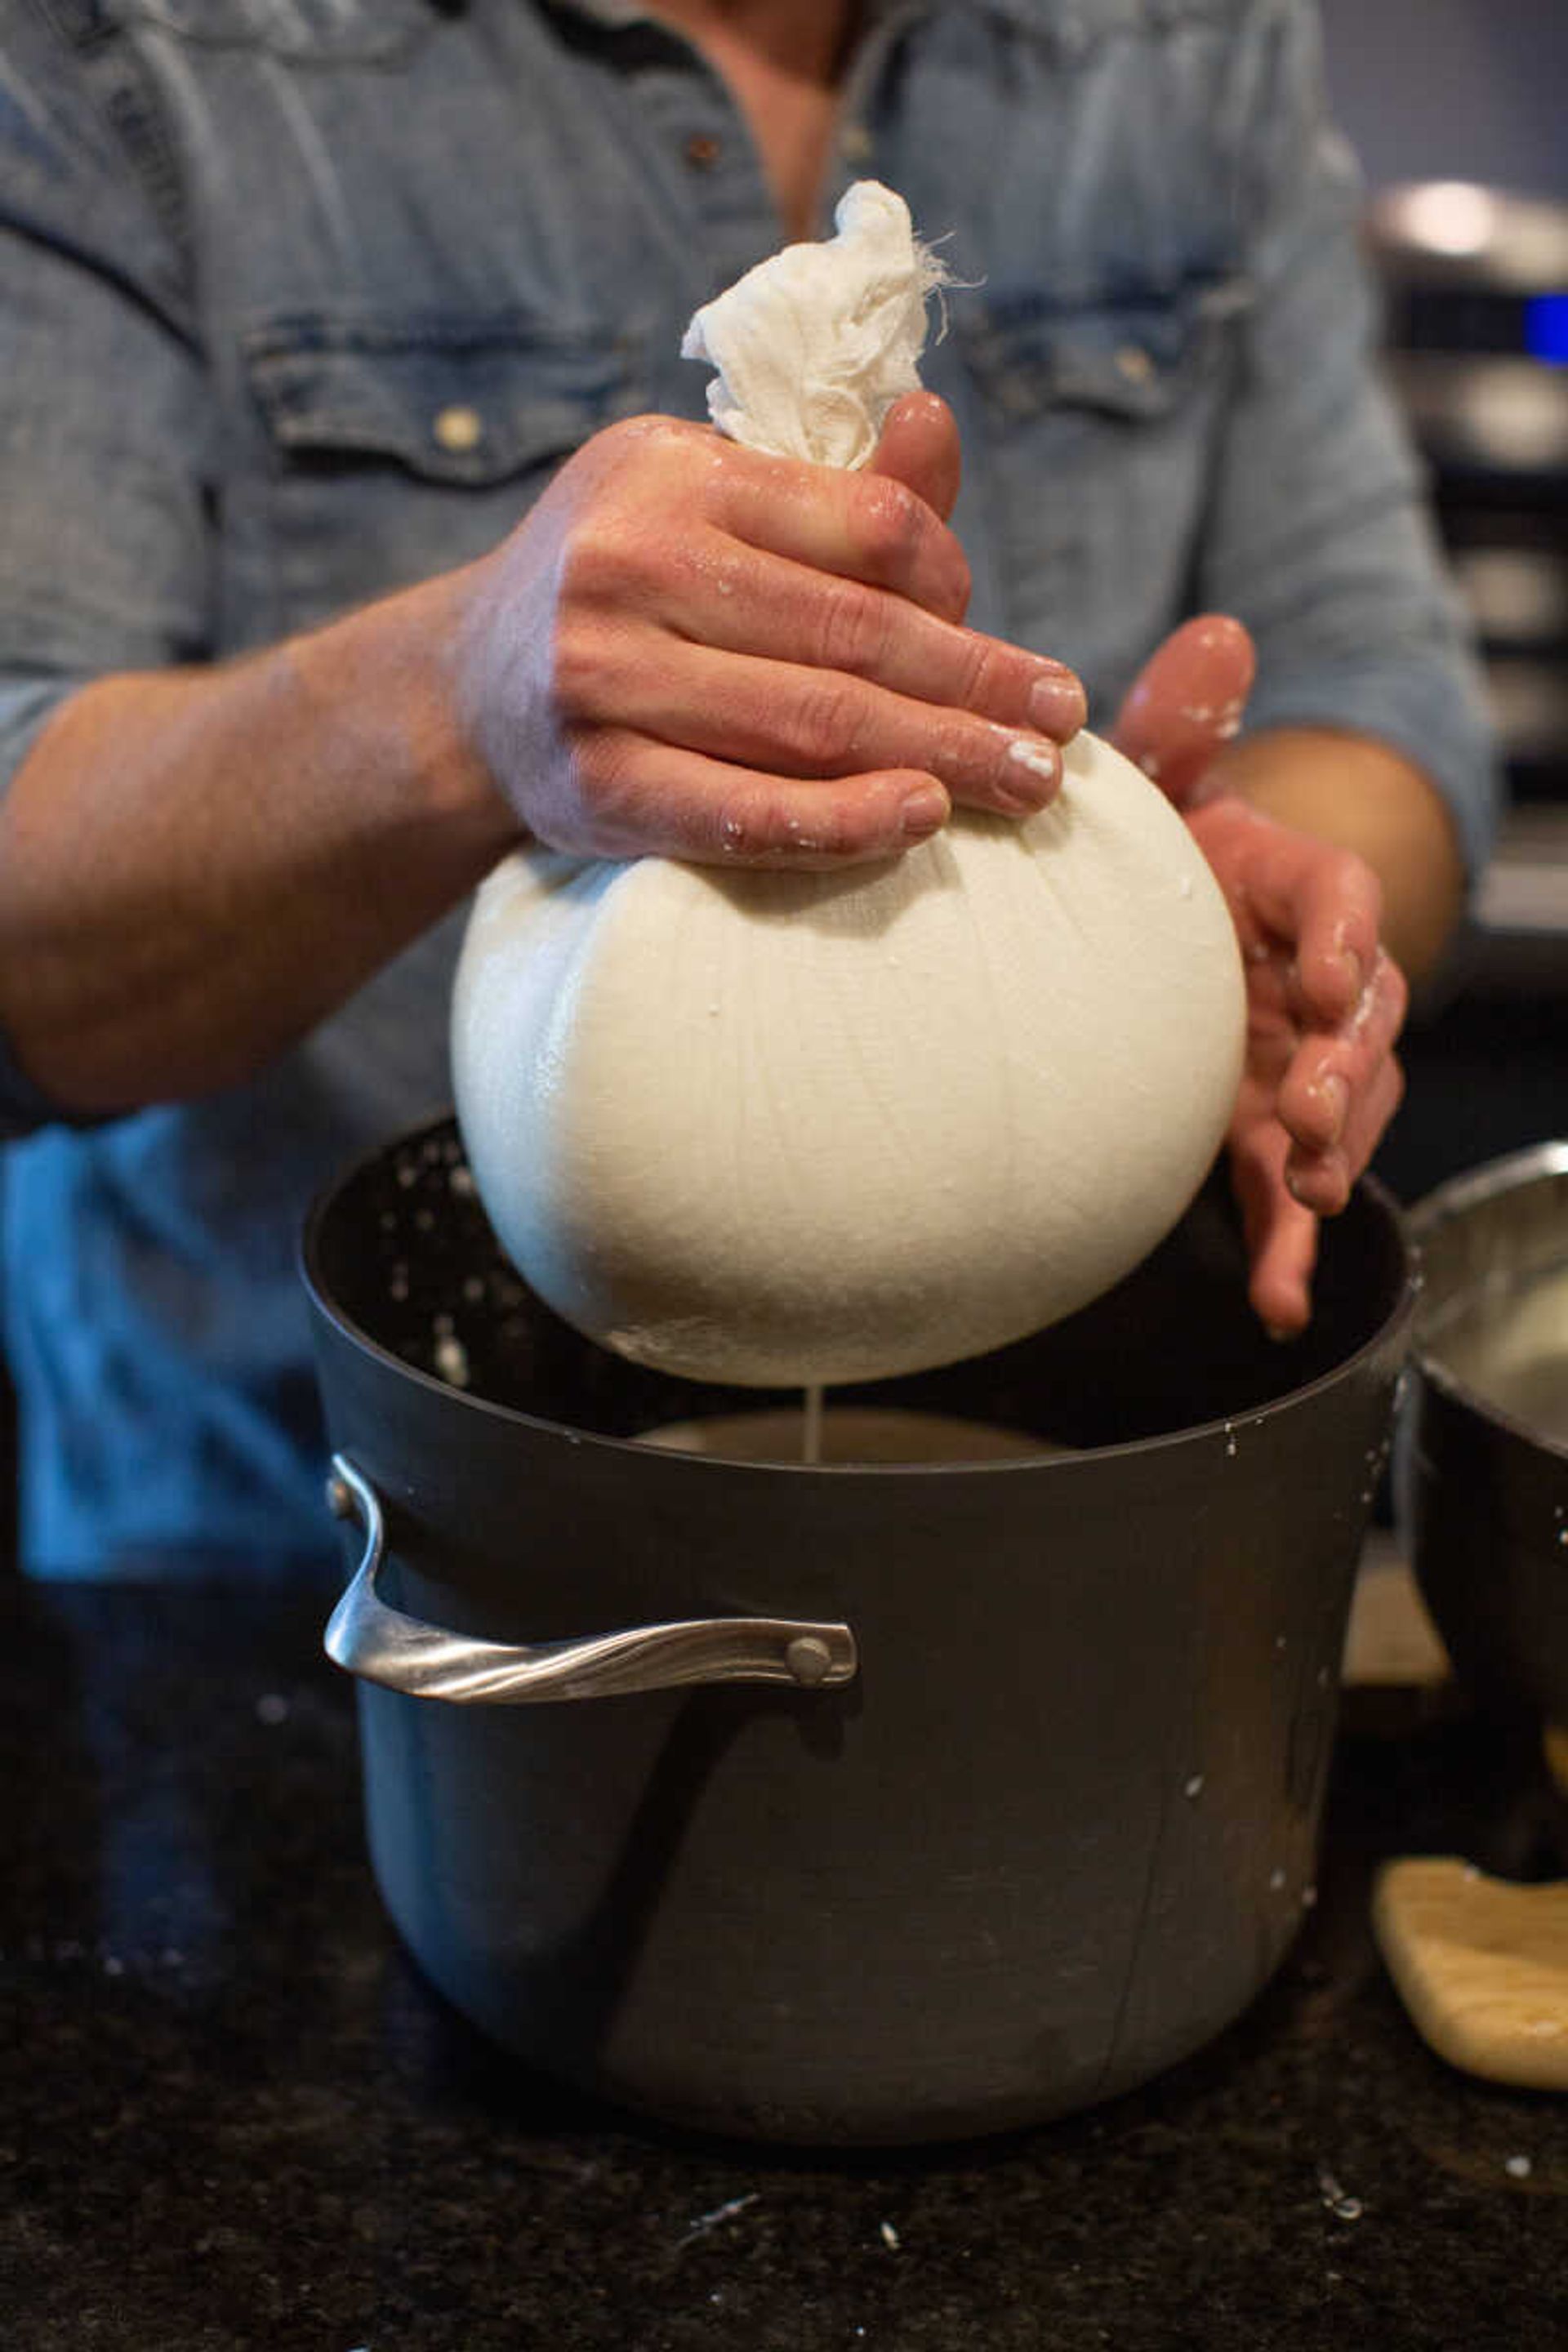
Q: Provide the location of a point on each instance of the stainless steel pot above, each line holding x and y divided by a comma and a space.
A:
863, 1803
1483, 1471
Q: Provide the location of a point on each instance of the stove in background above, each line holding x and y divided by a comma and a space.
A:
1475, 284
1454, 109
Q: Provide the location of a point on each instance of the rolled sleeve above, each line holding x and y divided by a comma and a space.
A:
106, 431
1321, 539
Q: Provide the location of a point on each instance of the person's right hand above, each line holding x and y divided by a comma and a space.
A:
692, 649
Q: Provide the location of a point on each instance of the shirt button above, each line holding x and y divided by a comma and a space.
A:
702, 151
1134, 363
458, 429
855, 143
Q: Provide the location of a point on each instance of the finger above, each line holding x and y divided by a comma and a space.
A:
1371, 1113
862, 526
1186, 703
1332, 903
1280, 1287
1325, 903
737, 600
1322, 1181
639, 798
919, 447
1320, 1094
1281, 1234
797, 721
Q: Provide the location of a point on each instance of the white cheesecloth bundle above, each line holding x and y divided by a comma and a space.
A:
780, 1128
814, 347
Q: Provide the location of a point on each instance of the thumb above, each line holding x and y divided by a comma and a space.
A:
919, 447
1186, 703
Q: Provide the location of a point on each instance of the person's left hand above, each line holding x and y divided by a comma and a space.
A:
1325, 1001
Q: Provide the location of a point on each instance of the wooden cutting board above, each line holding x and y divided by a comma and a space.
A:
1481, 1964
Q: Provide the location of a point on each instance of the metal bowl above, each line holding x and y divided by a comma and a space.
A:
1483, 1471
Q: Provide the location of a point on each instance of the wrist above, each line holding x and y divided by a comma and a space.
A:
380, 685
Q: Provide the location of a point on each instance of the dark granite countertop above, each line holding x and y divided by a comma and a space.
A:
235, 2117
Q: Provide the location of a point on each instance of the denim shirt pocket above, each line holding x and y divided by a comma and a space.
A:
1100, 420
392, 450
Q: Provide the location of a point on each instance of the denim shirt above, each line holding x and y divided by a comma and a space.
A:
301, 300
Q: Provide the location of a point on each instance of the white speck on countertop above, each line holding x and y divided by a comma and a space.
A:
1193, 1787
713, 2221
1336, 2200
272, 1707
1517, 2167
890, 2237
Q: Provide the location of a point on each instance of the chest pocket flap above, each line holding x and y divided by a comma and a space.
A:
312, 32
460, 401
1133, 357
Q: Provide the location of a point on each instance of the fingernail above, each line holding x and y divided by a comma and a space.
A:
1057, 704
924, 812
1336, 1096
1278, 1334
1038, 758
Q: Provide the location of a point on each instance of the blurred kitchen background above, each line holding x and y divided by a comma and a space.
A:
1457, 110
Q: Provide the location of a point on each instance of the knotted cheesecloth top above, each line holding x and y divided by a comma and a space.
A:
815, 344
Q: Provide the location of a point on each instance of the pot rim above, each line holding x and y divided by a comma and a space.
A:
1457, 1197
1367, 1186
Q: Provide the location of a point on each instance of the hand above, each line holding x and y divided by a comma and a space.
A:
1325, 1003
694, 649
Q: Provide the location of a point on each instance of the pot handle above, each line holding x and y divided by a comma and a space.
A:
383, 1644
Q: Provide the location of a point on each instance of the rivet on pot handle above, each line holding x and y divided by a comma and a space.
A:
382, 1645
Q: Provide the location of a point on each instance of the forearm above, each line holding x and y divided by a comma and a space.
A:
195, 867
1361, 796
198, 865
